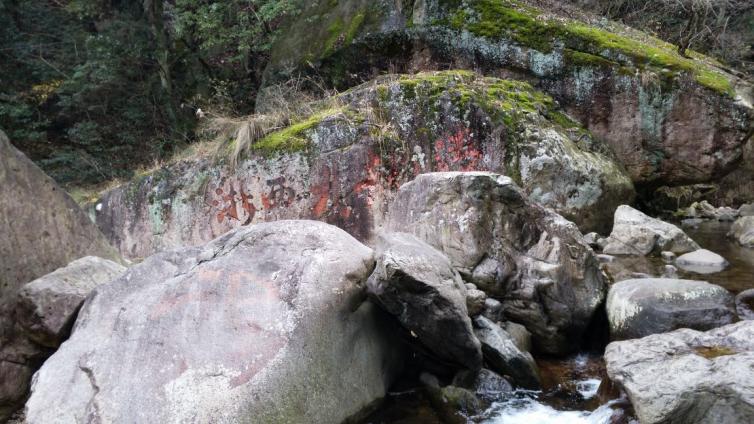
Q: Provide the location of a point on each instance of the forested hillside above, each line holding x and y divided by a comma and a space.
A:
92, 89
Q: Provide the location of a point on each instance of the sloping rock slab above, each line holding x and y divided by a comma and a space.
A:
534, 261
416, 283
688, 376
504, 356
635, 233
264, 324
644, 306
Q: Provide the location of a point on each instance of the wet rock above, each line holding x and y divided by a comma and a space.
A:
688, 376
704, 210
504, 356
485, 383
742, 231
640, 307
745, 304
702, 261
417, 284
635, 233
269, 321
533, 260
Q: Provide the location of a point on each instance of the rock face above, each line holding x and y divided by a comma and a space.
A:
416, 283
504, 356
635, 233
702, 261
342, 165
688, 376
265, 324
742, 231
745, 304
640, 307
41, 229
44, 311
529, 258
643, 99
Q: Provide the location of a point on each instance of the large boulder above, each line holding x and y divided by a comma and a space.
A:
688, 376
635, 233
504, 356
42, 227
268, 323
644, 306
531, 259
742, 231
417, 284
44, 311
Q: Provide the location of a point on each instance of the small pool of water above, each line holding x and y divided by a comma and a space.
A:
711, 235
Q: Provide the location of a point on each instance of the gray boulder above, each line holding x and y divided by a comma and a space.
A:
746, 209
41, 230
484, 383
701, 261
745, 304
640, 307
44, 311
267, 323
742, 231
47, 306
688, 376
504, 356
417, 284
635, 233
534, 261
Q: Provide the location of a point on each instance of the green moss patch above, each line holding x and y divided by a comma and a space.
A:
293, 138
585, 44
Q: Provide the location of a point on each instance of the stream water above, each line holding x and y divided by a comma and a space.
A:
570, 392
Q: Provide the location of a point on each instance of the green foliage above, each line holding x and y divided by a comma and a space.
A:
93, 89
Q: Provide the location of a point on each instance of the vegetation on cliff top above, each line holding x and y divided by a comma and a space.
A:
530, 27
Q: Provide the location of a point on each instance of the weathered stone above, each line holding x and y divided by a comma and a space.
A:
484, 383
680, 130
640, 307
417, 284
41, 229
475, 301
669, 271
346, 173
746, 210
687, 376
504, 356
534, 261
520, 335
47, 306
268, 323
44, 312
591, 239
702, 261
745, 304
635, 233
668, 257
493, 309
742, 231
